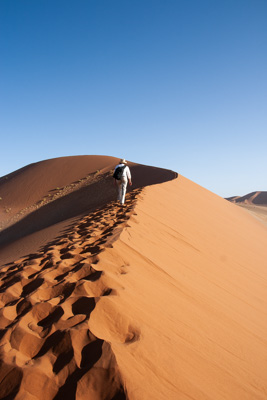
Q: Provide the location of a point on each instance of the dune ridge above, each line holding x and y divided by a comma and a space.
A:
41, 199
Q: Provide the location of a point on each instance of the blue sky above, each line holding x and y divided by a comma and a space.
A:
174, 84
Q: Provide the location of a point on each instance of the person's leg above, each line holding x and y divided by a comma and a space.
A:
123, 189
119, 189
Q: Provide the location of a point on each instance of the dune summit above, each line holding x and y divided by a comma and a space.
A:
165, 299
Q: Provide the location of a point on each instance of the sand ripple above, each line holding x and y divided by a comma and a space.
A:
46, 298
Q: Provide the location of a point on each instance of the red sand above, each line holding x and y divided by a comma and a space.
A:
165, 299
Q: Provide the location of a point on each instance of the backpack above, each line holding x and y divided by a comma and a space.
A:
118, 172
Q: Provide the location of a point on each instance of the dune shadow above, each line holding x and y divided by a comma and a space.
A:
50, 342
84, 200
52, 318
32, 286
144, 175
63, 360
91, 353
11, 377
84, 305
9, 283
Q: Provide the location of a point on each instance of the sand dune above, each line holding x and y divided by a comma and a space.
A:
259, 198
40, 200
255, 203
165, 299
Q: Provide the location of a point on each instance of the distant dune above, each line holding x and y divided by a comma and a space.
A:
257, 198
163, 299
255, 203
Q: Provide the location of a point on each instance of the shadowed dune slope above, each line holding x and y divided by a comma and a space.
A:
42, 197
36, 182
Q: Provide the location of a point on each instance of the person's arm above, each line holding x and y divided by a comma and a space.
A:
114, 180
128, 172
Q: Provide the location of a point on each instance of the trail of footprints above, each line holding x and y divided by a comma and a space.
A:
46, 300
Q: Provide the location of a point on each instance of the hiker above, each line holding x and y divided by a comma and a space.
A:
121, 177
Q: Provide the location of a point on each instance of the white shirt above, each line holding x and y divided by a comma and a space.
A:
126, 171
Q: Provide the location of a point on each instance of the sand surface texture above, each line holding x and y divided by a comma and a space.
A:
163, 299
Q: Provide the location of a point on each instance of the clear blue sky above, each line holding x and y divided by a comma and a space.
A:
170, 83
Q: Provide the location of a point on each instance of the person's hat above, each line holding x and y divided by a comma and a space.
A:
123, 161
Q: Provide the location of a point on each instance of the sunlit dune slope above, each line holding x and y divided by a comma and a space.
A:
193, 301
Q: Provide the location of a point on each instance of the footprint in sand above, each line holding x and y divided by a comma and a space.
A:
47, 300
